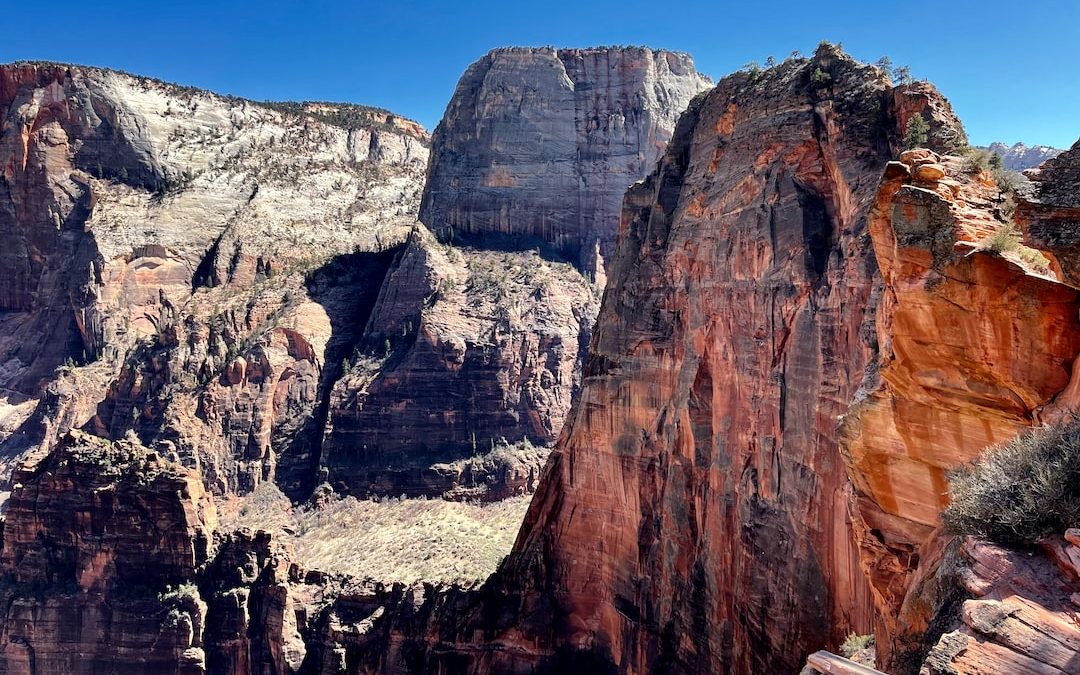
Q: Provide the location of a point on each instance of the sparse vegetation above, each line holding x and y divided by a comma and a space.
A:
1020, 492
820, 78
1007, 242
390, 539
975, 160
855, 647
753, 69
917, 133
177, 594
1005, 239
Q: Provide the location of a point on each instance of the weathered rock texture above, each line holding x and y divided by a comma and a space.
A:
1048, 210
539, 145
693, 517
469, 345
162, 244
93, 532
465, 349
1000, 610
972, 345
243, 288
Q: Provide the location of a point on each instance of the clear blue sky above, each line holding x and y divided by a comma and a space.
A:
1010, 68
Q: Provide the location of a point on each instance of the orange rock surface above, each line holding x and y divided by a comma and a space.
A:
973, 346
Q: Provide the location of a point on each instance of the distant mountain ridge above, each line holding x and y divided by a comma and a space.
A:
1019, 157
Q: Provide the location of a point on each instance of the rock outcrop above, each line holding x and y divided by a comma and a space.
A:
163, 239
95, 532
1048, 210
538, 146
481, 339
1000, 610
693, 517
701, 512
973, 344
466, 349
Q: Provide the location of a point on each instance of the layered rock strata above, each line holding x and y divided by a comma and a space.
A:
163, 240
479, 341
973, 344
693, 517
466, 350
538, 146
94, 533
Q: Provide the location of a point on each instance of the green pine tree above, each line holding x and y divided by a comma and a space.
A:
917, 133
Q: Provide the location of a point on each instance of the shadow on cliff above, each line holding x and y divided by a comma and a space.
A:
347, 287
507, 243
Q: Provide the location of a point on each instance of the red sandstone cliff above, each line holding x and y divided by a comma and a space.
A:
701, 512
693, 517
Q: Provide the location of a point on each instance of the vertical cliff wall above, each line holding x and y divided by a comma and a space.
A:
693, 517
974, 346
479, 334
541, 144
160, 242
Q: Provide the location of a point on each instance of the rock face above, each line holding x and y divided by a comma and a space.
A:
163, 240
697, 489
972, 346
238, 293
1049, 212
93, 533
1019, 157
539, 145
465, 349
701, 513
473, 344
1002, 610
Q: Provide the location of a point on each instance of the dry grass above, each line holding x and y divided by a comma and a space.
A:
1019, 492
392, 540
1007, 242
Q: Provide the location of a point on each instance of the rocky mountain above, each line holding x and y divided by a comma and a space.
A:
698, 488
541, 144
1019, 157
239, 294
220, 315
703, 512
481, 338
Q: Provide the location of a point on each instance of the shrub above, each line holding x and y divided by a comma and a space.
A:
976, 160
1020, 492
855, 643
1005, 239
819, 78
917, 133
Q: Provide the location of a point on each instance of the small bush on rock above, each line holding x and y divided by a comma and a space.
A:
855, 643
1020, 492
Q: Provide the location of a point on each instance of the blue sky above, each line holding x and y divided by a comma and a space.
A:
1010, 68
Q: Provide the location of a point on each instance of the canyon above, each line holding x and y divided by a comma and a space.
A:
733, 337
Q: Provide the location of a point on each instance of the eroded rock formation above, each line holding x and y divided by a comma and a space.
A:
94, 532
538, 146
466, 349
473, 344
162, 243
972, 345
693, 517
